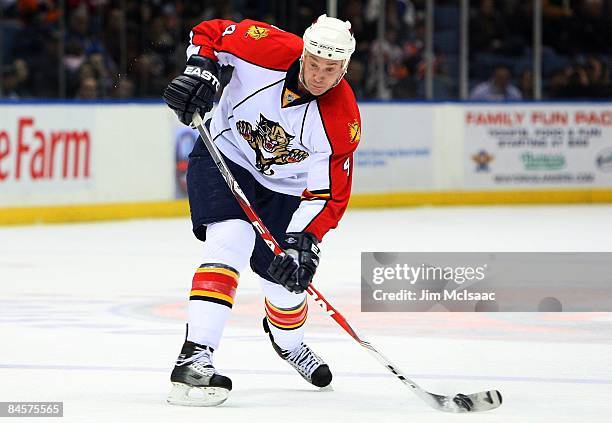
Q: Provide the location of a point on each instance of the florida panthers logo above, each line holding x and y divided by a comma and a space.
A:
257, 32
271, 144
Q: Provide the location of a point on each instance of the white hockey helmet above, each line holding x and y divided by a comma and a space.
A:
330, 38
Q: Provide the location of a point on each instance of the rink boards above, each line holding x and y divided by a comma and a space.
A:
86, 161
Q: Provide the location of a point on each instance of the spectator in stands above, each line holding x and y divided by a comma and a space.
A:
556, 84
556, 21
591, 31
595, 69
74, 57
487, 29
148, 72
526, 84
588, 79
88, 89
352, 11
399, 14
46, 84
32, 29
9, 83
518, 16
364, 31
555, 9
102, 73
392, 55
79, 32
13, 80
497, 88
123, 89
356, 78
114, 24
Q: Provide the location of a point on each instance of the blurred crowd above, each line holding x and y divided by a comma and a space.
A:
576, 52
117, 49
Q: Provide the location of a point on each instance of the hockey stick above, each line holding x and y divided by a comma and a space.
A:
460, 403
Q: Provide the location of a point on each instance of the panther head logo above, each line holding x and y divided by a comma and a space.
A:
275, 138
271, 138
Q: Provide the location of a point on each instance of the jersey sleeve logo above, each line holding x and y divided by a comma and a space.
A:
354, 132
271, 144
257, 32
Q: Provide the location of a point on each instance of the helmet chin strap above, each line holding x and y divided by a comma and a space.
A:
303, 82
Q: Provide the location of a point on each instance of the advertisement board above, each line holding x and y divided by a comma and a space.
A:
395, 152
80, 161
45, 152
55, 154
537, 146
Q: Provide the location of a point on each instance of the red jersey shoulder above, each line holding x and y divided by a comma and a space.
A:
262, 44
341, 118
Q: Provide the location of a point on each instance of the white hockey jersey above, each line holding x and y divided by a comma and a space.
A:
291, 143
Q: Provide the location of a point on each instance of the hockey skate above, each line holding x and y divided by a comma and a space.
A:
195, 381
309, 365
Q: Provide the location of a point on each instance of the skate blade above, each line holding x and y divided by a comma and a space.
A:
191, 396
328, 388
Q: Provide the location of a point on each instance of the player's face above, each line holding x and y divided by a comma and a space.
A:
320, 74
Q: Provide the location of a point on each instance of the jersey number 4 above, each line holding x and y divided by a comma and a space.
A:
229, 30
347, 166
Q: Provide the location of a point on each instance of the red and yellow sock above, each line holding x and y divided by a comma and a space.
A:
287, 318
216, 283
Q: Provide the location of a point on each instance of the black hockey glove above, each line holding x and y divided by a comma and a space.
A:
194, 90
296, 269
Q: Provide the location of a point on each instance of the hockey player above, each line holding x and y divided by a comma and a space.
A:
287, 123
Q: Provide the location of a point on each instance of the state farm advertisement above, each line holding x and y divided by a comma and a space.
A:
62, 154
538, 146
42, 151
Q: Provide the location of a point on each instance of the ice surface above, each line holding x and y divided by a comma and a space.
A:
93, 315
